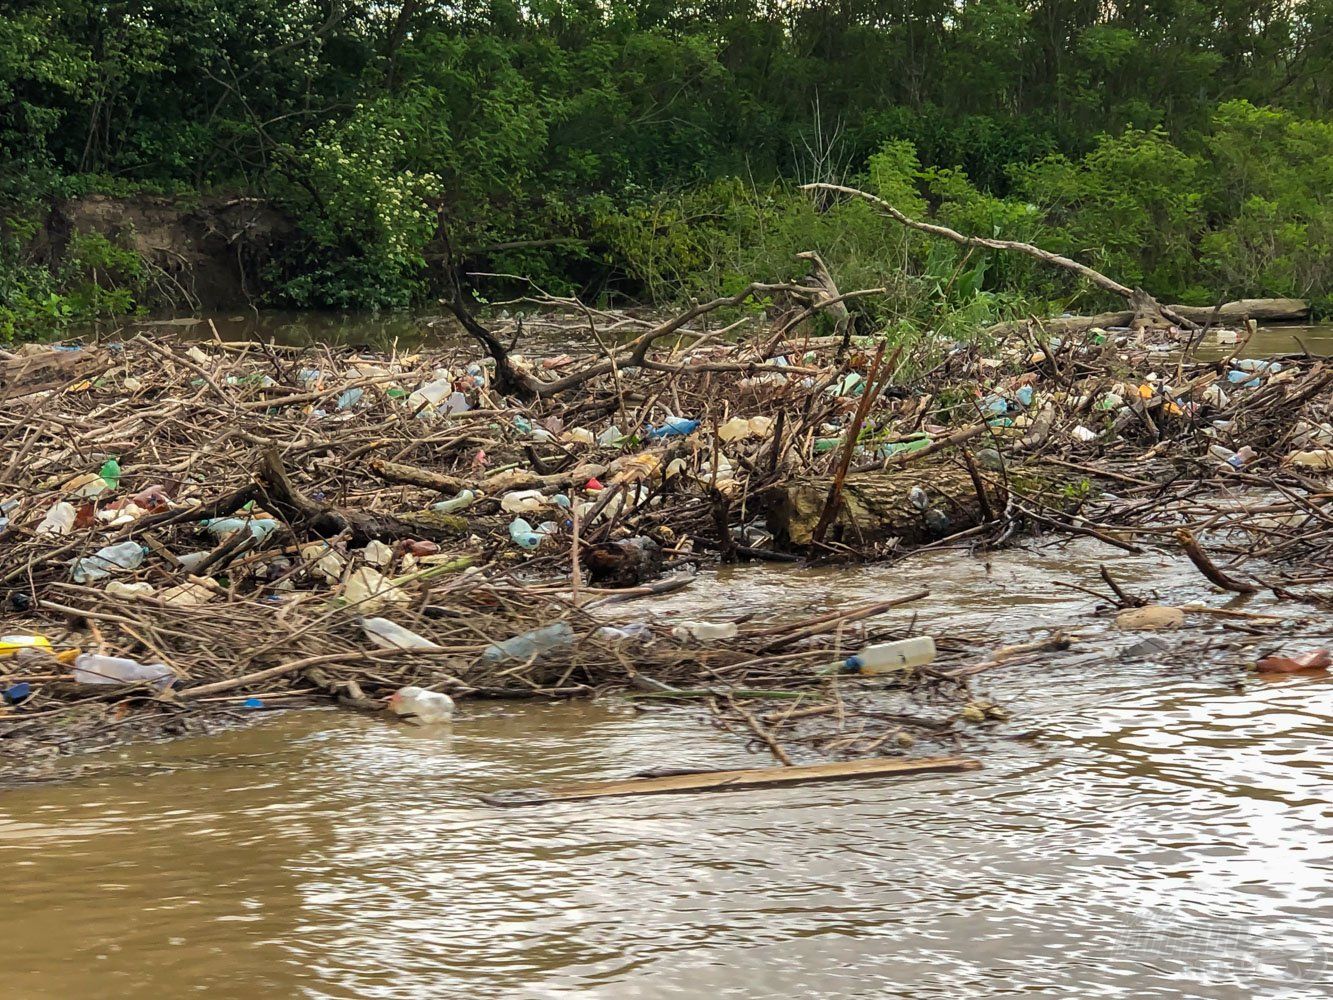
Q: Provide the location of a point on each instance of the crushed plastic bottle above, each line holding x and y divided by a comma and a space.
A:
673, 427
92, 668
460, 501
118, 558
885, 657
612, 435
530, 645
1319, 458
59, 520
134, 591
391, 635
523, 502
349, 399
705, 631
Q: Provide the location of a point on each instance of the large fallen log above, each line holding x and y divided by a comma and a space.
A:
881, 505
1228, 314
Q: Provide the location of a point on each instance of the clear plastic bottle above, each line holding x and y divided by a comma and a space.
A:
705, 631
886, 657
530, 644
523, 502
521, 533
391, 635
59, 520
93, 668
461, 501
118, 558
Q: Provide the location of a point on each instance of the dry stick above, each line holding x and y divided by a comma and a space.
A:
756, 727
1208, 568
863, 408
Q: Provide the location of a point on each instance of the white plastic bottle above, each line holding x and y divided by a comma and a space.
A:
391, 635
886, 657
92, 668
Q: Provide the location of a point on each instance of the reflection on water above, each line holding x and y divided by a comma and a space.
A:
1165, 834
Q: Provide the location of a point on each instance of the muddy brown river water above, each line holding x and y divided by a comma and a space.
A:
1142, 830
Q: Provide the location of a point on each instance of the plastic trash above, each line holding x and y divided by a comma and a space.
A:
1315, 659
93, 668
634, 632
390, 635
610, 436
349, 399
673, 427
423, 706
462, 500
118, 558
1320, 458
735, 429
430, 395
259, 527
522, 534
134, 591
191, 561
59, 520
18, 693
579, 435
377, 554
530, 645
705, 631
11, 645
523, 502
885, 657
368, 588
1081, 433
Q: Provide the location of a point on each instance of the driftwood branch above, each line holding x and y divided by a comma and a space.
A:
1140, 301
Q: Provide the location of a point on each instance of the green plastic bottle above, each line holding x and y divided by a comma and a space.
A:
110, 473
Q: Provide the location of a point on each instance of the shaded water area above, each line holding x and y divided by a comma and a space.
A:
1141, 829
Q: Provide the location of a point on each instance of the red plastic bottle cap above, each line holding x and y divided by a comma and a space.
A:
593, 486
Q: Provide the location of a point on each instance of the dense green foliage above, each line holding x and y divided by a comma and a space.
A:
650, 150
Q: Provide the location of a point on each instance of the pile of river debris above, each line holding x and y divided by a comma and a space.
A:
196, 530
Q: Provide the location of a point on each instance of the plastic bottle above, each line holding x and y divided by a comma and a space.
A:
92, 668
59, 520
377, 554
110, 473
885, 657
260, 527
529, 645
391, 635
117, 588
522, 502
430, 395
673, 427
523, 535
735, 429
705, 631
349, 398
11, 645
460, 501
579, 435
610, 436
126, 555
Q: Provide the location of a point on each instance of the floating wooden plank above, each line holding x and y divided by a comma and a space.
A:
722, 781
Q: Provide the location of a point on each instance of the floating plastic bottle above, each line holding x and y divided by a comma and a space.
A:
673, 427
460, 501
421, 705
705, 631
391, 635
885, 657
118, 558
529, 645
59, 520
92, 668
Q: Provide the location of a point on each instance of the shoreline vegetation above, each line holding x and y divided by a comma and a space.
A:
184, 155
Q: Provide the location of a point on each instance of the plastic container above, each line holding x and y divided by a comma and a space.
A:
92, 668
118, 558
523, 502
59, 520
705, 631
391, 635
423, 706
530, 645
12, 645
430, 395
259, 527
886, 657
